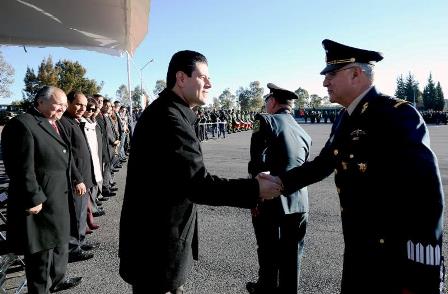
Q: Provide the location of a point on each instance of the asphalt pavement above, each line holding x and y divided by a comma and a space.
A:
227, 248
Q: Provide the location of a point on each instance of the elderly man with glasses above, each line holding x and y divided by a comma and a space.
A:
387, 178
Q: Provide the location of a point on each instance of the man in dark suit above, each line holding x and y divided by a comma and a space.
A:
279, 144
81, 177
36, 157
387, 178
109, 143
165, 149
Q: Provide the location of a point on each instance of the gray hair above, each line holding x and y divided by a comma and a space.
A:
45, 93
367, 68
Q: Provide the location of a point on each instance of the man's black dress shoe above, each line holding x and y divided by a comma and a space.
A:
98, 213
108, 193
255, 288
113, 189
67, 283
87, 246
79, 255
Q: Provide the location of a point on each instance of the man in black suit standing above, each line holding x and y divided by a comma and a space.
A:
176, 156
36, 157
81, 177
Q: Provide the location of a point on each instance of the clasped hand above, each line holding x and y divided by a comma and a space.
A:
270, 186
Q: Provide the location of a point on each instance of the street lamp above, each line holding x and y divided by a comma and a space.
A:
141, 75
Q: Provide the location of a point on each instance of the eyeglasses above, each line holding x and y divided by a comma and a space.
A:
332, 74
91, 109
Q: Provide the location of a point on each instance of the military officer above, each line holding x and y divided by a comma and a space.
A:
279, 144
387, 178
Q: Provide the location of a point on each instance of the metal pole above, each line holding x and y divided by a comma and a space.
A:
141, 75
129, 85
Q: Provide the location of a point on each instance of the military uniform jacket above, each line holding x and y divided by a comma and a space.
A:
36, 160
166, 156
279, 144
390, 193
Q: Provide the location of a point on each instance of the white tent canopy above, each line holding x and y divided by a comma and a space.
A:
107, 26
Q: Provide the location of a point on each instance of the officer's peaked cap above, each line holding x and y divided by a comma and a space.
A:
339, 55
281, 94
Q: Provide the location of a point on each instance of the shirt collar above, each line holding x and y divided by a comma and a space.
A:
355, 102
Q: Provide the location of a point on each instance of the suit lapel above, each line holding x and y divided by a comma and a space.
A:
44, 124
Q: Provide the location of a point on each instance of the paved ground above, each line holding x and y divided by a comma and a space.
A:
227, 244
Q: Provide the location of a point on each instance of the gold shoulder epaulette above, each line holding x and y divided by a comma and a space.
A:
400, 102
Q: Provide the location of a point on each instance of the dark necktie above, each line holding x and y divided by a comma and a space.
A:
55, 127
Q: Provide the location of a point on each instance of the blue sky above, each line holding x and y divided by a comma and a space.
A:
269, 41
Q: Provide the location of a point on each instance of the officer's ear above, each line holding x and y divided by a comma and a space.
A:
356, 72
180, 78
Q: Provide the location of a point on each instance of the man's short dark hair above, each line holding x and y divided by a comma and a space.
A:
71, 96
183, 61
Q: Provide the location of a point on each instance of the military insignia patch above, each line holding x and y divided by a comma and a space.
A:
256, 126
362, 167
364, 107
356, 134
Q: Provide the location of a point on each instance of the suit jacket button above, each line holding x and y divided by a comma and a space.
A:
64, 151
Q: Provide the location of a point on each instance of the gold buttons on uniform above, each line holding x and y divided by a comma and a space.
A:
344, 165
381, 241
351, 156
335, 152
339, 190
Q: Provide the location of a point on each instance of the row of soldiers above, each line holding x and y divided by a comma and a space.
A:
222, 121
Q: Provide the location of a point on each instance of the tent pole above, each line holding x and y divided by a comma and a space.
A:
129, 86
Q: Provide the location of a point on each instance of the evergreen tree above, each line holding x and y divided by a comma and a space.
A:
411, 92
32, 85
429, 94
440, 98
400, 91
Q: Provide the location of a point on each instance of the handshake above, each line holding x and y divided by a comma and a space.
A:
270, 186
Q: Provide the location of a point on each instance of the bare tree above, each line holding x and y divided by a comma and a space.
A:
6, 77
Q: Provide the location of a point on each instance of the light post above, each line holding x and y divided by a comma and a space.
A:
141, 75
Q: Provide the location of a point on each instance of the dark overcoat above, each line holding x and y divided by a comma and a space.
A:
391, 196
81, 167
36, 160
166, 157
